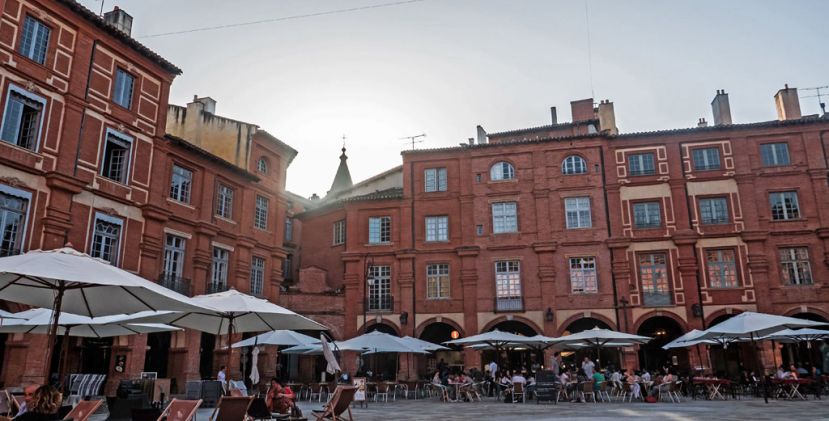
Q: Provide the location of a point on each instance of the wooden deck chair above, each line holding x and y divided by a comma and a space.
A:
83, 410
180, 410
339, 404
231, 408
587, 390
17, 402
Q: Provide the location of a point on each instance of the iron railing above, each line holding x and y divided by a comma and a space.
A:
175, 282
509, 304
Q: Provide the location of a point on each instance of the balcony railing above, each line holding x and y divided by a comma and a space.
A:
175, 283
656, 299
380, 303
509, 304
214, 287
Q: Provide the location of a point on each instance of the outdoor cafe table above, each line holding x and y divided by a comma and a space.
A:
713, 386
791, 387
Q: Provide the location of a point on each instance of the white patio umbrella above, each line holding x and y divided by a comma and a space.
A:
332, 366
39, 321
752, 326
602, 338
807, 335
279, 337
421, 344
494, 338
67, 280
312, 349
5, 316
232, 311
689, 339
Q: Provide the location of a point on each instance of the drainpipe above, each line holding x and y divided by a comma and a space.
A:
689, 205
412, 322
609, 234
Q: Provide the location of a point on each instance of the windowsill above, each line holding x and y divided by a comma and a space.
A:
649, 227
222, 218
127, 109
584, 292
643, 175
266, 231
506, 233
788, 220
436, 241
120, 183
388, 243
31, 60
710, 288
338, 245
16, 146
579, 228
707, 169
507, 180
812, 285
185, 204
438, 299
714, 224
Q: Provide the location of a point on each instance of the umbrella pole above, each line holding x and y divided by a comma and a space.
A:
774, 352
229, 354
64, 359
53, 331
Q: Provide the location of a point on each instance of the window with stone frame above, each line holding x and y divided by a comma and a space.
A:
504, 217
583, 277
117, 156
706, 159
22, 119
714, 211
775, 154
437, 281
721, 267
784, 206
508, 285
653, 275
573, 164
379, 229
13, 213
260, 216
339, 232
257, 276
181, 183
502, 170
224, 201
641, 164
34, 40
219, 270
794, 266
437, 228
577, 210
434, 179
122, 92
647, 215
106, 238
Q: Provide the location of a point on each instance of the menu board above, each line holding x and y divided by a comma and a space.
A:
360, 384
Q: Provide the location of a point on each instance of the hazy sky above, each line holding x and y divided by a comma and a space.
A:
444, 66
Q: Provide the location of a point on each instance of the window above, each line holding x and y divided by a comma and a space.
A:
224, 202
180, 184
218, 276
116, 163
479, 229
13, 210
122, 95
573, 164
502, 171
287, 267
379, 230
339, 232
722, 268
435, 179
21, 121
437, 281
583, 278
34, 40
289, 228
174, 256
437, 228
646, 215
508, 286
260, 217
775, 154
262, 165
257, 275
504, 217
706, 159
795, 267
784, 206
653, 272
641, 164
578, 212
714, 211
106, 238
379, 288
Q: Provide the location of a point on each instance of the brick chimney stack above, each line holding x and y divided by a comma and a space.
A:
553, 116
721, 108
788, 104
582, 110
120, 19
702, 122
607, 118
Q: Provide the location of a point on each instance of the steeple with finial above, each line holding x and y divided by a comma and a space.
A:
342, 180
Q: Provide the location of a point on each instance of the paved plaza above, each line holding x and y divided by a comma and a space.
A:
431, 409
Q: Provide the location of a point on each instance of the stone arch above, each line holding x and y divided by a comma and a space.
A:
800, 310
656, 313
498, 320
373, 325
564, 325
423, 325
719, 313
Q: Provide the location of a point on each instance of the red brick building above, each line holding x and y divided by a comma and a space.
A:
92, 155
568, 226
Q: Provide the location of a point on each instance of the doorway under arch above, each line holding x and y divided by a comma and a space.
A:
438, 333
382, 366
158, 351
515, 360
651, 355
803, 354
574, 358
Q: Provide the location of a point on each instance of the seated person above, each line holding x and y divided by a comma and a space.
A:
280, 399
635, 388
792, 373
598, 379
43, 405
518, 378
780, 374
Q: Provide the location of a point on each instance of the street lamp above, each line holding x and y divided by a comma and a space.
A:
369, 264
623, 304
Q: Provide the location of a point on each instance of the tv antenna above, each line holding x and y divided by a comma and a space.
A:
413, 139
818, 95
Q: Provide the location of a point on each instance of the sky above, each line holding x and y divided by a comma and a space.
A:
441, 67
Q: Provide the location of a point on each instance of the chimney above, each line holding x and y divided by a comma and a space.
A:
721, 108
702, 122
788, 104
582, 110
481, 135
208, 104
553, 115
607, 118
471, 140
120, 19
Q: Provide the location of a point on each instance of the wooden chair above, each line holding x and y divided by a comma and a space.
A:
232, 408
675, 389
587, 389
518, 390
604, 395
83, 410
339, 404
180, 410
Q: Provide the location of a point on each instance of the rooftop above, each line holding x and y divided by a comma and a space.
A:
126, 39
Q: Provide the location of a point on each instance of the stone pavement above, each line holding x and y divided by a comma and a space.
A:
490, 410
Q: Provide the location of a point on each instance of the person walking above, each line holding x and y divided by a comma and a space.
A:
588, 366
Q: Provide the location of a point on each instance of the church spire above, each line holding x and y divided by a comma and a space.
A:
342, 180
